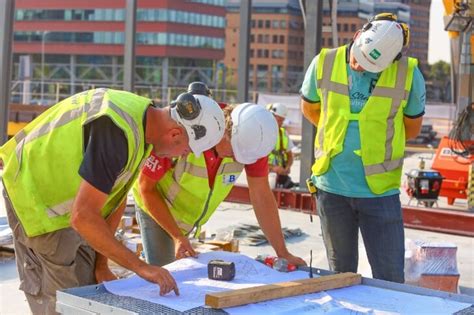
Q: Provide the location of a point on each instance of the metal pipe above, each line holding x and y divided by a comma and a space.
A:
43, 36
7, 9
312, 46
129, 47
244, 46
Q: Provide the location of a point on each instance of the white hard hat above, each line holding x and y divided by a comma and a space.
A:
278, 109
202, 118
254, 132
378, 45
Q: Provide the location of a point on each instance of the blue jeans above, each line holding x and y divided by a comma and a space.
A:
381, 225
158, 246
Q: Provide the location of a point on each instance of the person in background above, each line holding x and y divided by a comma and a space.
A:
175, 198
366, 100
66, 177
280, 159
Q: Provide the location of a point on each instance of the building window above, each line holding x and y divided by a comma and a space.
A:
275, 39
266, 39
282, 39
260, 23
346, 27
275, 24
259, 38
266, 53
251, 53
252, 24
282, 24
353, 27
267, 23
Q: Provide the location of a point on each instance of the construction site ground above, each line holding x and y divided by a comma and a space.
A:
12, 301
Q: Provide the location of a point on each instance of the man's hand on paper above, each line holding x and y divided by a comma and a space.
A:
183, 248
161, 276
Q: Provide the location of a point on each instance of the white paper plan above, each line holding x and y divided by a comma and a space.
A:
191, 277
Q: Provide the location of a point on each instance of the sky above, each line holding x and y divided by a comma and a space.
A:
438, 47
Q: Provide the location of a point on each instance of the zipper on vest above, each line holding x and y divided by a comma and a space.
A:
206, 206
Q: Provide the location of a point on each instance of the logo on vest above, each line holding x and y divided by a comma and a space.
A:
152, 163
229, 179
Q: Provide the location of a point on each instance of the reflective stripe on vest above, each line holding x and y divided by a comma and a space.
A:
42, 188
334, 91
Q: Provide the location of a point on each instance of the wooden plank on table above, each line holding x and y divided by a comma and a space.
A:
280, 290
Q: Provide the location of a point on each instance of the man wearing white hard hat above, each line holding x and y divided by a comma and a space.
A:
175, 198
281, 157
67, 175
366, 100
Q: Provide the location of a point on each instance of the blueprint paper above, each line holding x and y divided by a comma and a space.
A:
193, 283
191, 276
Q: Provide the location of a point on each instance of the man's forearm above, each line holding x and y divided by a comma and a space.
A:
266, 211
98, 234
311, 111
86, 219
159, 211
113, 221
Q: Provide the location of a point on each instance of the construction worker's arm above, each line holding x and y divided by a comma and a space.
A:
160, 212
311, 111
86, 219
266, 211
102, 270
415, 108
289, 163
412, 127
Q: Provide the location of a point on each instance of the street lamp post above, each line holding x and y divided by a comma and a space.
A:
43, 36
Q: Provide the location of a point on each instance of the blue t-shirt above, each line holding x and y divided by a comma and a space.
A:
345, 175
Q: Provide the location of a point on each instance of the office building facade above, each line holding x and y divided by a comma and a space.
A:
277, 37
80, 44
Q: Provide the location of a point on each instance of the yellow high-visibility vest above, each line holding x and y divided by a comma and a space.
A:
382, 131
186, 190
42, 161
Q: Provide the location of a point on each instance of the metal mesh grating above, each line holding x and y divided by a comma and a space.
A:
101, 295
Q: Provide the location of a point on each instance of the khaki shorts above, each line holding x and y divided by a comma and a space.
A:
49, 262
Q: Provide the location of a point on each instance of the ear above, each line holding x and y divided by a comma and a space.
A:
356, 35
176, 132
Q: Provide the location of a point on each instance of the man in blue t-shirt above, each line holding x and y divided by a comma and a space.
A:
345, 202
